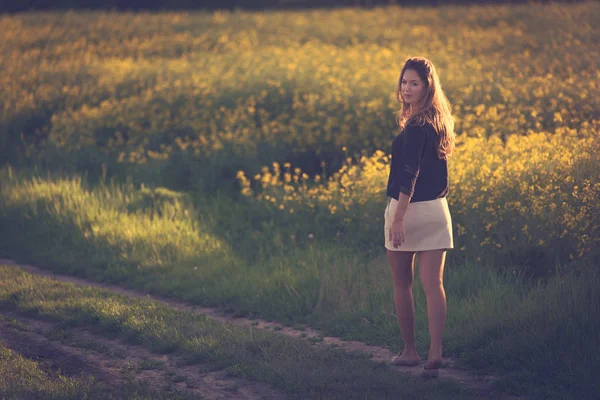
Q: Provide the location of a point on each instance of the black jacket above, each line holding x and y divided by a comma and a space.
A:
416, 169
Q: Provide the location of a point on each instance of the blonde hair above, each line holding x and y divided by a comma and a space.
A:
433, 108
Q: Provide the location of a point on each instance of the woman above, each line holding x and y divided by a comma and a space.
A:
417, 218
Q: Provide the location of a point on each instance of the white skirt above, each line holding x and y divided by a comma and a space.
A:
427, 226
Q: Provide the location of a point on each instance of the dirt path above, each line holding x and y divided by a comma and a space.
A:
52, 357
113, 363
479, 384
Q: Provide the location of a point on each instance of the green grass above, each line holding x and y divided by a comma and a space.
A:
22, 378
497, 321
289, 364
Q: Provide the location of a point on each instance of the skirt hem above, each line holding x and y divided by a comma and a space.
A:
419, 249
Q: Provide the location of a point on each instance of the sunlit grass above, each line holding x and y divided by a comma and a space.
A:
145, 229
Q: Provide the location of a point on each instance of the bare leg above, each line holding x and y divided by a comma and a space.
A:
431, 271
402, 267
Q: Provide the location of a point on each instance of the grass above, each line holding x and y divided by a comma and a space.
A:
498, 322
22, 378
289, 364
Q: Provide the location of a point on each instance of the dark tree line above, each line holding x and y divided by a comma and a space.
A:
157, 5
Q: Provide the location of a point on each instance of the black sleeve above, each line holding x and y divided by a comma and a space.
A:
415, 139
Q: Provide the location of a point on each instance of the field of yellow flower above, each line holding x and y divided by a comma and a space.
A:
189, 100
533, 199
169, 151
247, 89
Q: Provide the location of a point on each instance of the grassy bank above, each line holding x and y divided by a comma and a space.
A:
289, 364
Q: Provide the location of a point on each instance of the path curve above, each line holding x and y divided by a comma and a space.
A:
479, 384
204, 381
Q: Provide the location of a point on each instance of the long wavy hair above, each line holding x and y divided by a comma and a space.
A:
433, 108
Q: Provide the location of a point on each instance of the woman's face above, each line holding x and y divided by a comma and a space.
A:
412, 88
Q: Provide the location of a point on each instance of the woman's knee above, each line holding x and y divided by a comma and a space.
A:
432, 285
431, 270
403, 284
431, 278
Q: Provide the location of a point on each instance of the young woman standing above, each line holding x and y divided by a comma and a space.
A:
417, 218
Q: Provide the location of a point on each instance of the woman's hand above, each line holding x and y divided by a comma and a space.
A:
397, 233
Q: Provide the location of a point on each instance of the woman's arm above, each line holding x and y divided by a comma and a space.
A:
401, 206
396, 232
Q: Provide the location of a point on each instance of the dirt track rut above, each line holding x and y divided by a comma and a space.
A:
123, 362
